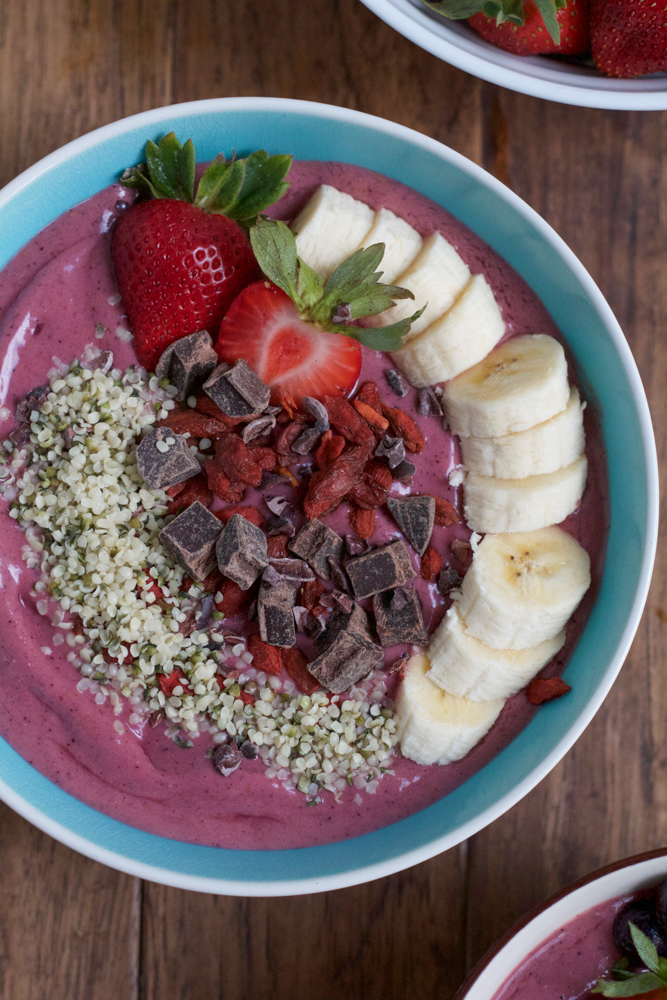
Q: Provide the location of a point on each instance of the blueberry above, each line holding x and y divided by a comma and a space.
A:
640, 912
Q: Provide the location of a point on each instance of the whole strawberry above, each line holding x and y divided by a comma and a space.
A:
181, 258
629, 37
525, 27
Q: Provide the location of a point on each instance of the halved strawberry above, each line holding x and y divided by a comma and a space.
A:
180, 259
263, 327
295, 331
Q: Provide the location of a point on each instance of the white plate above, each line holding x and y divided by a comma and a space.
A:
538, 76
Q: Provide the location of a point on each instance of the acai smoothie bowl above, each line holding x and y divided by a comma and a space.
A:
328, 496
605, 935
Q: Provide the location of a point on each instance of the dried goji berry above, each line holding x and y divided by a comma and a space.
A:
348, 422
199, 425
169, 681
327, 487
235, 459
371, 416
445, 513
543, 689
246, 698
173, 491
250, 513
206, 405
196, 488
431, 564
286, 439
331, 446
276, 547
282, 397
404, 426
266, 458
211, 583
368, 394
234, 600
264, 656
311, 591
296, 665
362, 521
373, 488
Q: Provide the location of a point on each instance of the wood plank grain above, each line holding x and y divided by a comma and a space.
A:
607, 799
69, 927
387, 940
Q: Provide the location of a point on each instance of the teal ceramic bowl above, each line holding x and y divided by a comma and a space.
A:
606, 366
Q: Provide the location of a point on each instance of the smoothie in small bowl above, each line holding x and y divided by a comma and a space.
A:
370, 783
580, 940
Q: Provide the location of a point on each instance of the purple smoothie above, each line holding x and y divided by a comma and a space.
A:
569, 963
52, 295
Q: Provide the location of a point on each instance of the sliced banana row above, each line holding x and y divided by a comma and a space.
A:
516, 598
522, 436
461, 321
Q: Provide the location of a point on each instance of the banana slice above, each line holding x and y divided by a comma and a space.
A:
544, 448
467, 668
436, 276
521, 383
456, 341
522, 588
434, 727
495, 505
330, 227
402, 243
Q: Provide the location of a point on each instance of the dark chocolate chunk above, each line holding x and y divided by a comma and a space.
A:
404, 472
340, 621
399, 624
396, 382
306, 441
346, 651
414, 516
237, 391
277, 525
164, 459
227, 757
318, 411
317, 543
249, 750
344, 601
31, 401
258, 427
190, 540
188, 362
315, 628
241, 551
274, 613
293, 569
380, 569
393, 449
429, 404
21, 435
448, 580
103, 363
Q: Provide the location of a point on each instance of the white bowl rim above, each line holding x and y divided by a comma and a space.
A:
381, 869
619, 878
526, 75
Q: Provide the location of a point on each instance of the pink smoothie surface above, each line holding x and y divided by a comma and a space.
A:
568, 964
52, 295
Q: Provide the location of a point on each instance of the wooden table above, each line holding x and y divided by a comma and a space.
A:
71, 929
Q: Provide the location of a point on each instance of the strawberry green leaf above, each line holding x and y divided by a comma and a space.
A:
263, 184
220, 185
510, 10
547, 9
644, 982
138, 179
356, 283
457, 10
380, 338
309, 287
274, 247
376, 299
646, 950
172, 167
